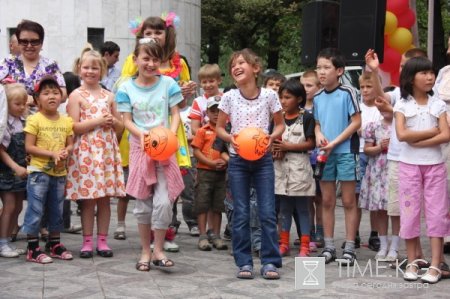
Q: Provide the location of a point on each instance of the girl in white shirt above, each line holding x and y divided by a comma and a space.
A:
420, 121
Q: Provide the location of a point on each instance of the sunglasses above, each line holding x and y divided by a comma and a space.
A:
32, 42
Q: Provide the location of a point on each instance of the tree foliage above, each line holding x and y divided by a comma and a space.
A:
272, 28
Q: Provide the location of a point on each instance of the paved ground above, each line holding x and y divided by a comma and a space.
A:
196, 274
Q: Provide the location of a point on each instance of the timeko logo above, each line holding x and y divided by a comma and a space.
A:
310, 271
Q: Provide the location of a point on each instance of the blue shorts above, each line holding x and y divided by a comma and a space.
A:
362, 170
44, 192
342, 167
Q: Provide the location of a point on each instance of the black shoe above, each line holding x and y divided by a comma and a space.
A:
374, 243
86, 254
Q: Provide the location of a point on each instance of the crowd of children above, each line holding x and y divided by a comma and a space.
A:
384, 148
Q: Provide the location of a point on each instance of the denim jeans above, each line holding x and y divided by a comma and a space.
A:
255, 226
261, 172
44, 190
300, 204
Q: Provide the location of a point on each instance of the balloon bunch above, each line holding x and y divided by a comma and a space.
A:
397, 36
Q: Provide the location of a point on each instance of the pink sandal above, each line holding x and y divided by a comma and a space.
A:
41, 258
64, 254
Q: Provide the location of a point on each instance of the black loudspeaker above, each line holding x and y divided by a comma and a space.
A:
319, 29
361, 27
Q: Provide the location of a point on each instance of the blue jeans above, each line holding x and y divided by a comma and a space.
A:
44, 190
241, 173
255, 226
300, 204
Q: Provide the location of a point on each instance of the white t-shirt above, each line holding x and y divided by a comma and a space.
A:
368, 115
419, 118
245, 113
394, 145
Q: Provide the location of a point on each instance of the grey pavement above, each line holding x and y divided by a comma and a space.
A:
198, 274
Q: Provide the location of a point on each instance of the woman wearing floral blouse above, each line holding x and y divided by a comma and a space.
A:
29, 67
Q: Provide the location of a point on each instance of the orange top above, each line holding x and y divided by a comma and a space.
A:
204, 140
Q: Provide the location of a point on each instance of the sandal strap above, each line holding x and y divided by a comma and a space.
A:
435, 268
412, 265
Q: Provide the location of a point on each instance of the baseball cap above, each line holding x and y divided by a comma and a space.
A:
213, 101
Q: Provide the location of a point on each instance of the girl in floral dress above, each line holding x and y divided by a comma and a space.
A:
374, 186
95, 171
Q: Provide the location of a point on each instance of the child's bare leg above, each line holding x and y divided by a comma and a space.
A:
328, 205
144, 234
350, 209
87, 216
103, 215
216, 222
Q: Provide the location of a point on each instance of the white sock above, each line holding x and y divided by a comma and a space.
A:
394, 243
383, 243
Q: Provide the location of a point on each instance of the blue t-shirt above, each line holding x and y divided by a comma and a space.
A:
149, 106
333, 110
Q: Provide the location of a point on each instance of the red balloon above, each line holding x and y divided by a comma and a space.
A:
391, 61
395, 78
252, 143
407, 19
160, 144
397, 7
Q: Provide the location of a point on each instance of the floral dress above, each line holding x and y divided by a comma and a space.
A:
95, 169
374, 186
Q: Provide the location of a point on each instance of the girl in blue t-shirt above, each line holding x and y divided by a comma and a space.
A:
146, 101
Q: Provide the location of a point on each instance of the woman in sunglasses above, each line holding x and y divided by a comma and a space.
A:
29, 66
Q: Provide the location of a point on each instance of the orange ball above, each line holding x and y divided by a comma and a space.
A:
252, 143
160, 144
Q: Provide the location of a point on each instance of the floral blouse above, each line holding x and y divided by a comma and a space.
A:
12, 67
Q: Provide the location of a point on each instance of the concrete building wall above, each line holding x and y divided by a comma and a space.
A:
66, 22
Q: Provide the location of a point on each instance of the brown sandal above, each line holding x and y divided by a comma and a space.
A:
143, 266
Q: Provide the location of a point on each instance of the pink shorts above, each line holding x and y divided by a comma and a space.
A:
423, 186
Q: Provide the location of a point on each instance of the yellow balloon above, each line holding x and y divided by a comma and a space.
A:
391, 23
401, 40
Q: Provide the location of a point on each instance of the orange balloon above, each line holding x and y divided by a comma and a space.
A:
160, 144
252, 143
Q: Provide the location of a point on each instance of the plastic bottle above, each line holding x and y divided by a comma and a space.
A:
320, 164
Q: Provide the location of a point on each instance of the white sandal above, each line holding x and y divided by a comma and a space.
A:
410, 275
430, 278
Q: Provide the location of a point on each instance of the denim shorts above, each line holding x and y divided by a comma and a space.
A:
44, 191
342, 167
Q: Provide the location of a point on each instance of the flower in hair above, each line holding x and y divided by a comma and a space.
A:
171, 19
147, 40
135, 25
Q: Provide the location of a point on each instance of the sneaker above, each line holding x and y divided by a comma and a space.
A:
219, 244
194, 231
7, 251
171, 246
392, 256
203, 244
120, 233
381, 255
73, 229
20, 251
374, 243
